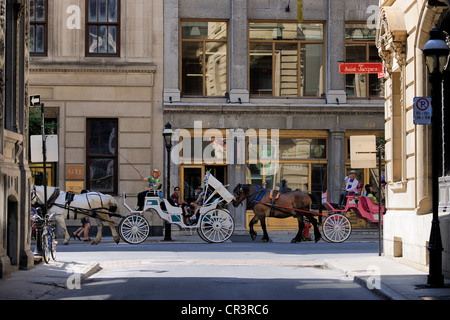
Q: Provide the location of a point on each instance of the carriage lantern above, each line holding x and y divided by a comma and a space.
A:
167, 134
436, 54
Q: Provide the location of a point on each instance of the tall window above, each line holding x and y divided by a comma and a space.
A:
103, 28
204, 58
303, 161
101, 155
286, 59
360, 47
38, 27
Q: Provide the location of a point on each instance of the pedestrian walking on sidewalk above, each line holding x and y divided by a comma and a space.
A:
84, 229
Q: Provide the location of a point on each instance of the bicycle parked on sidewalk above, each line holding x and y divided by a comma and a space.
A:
48, 238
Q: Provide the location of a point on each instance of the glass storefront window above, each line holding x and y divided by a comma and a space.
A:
101, 155
204, 30
312, 70
261, 68
192, 68
286, 59
360, 47
204, 58
209, 149
359, 32
286, 31
286, 69
302, 162
297, 148
307, 177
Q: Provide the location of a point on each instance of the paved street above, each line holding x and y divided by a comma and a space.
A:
236, 270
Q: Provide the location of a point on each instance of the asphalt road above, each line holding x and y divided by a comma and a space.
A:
236, 270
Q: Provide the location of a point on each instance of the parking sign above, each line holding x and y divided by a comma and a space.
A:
422, 110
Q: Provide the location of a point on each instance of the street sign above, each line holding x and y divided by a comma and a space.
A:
51, 142
360, 67
422, 110
35, 100
363, 152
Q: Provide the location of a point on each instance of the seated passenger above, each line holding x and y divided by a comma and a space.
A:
370, 194
196, 205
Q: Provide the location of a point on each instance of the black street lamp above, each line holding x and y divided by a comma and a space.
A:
167, 134
436, 54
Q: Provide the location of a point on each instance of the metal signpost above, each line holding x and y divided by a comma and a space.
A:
422, 110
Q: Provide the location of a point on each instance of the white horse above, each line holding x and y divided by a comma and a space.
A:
92, 204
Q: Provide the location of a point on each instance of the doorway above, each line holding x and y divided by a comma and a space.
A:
12, 231
192, 177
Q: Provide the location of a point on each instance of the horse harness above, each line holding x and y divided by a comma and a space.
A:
257, 195
92, 212
52, 199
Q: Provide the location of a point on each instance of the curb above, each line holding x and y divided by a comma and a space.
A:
362, 278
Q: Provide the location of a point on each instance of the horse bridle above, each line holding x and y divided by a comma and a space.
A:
239, 192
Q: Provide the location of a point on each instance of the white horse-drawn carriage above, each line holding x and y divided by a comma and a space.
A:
214, 223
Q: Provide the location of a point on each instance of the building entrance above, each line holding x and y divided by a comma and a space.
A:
192, 177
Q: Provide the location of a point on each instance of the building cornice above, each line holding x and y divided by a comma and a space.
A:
92, 67
253, 108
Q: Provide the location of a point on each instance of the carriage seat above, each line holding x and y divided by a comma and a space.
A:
171, 208
368, 205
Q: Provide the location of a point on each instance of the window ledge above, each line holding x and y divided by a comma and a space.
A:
398, 186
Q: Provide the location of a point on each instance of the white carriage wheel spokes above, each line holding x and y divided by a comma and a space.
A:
216, 225
134, 229
337, 228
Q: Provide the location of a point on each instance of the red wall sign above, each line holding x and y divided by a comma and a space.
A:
360, 67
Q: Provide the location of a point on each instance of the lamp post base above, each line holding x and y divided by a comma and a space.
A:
167, 231
436, 281
435, 276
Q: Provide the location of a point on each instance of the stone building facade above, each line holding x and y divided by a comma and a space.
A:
249, 67
15, 178
403, 29
97, 66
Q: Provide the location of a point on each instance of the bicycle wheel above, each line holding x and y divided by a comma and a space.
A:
45, 247
53, 244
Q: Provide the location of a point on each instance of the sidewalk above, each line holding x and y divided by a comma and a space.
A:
390, 278
45, 280
387, 277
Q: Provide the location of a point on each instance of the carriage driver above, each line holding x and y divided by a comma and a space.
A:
351, 185
154, 183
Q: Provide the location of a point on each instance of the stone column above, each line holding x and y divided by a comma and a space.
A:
237, 175
171, 49
335, 89
238, 36
336, 164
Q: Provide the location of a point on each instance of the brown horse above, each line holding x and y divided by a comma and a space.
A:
265, 204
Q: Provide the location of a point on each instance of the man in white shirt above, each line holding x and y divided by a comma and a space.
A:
351, 185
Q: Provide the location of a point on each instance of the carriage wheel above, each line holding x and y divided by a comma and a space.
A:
216, 226
134, 229
336, 228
